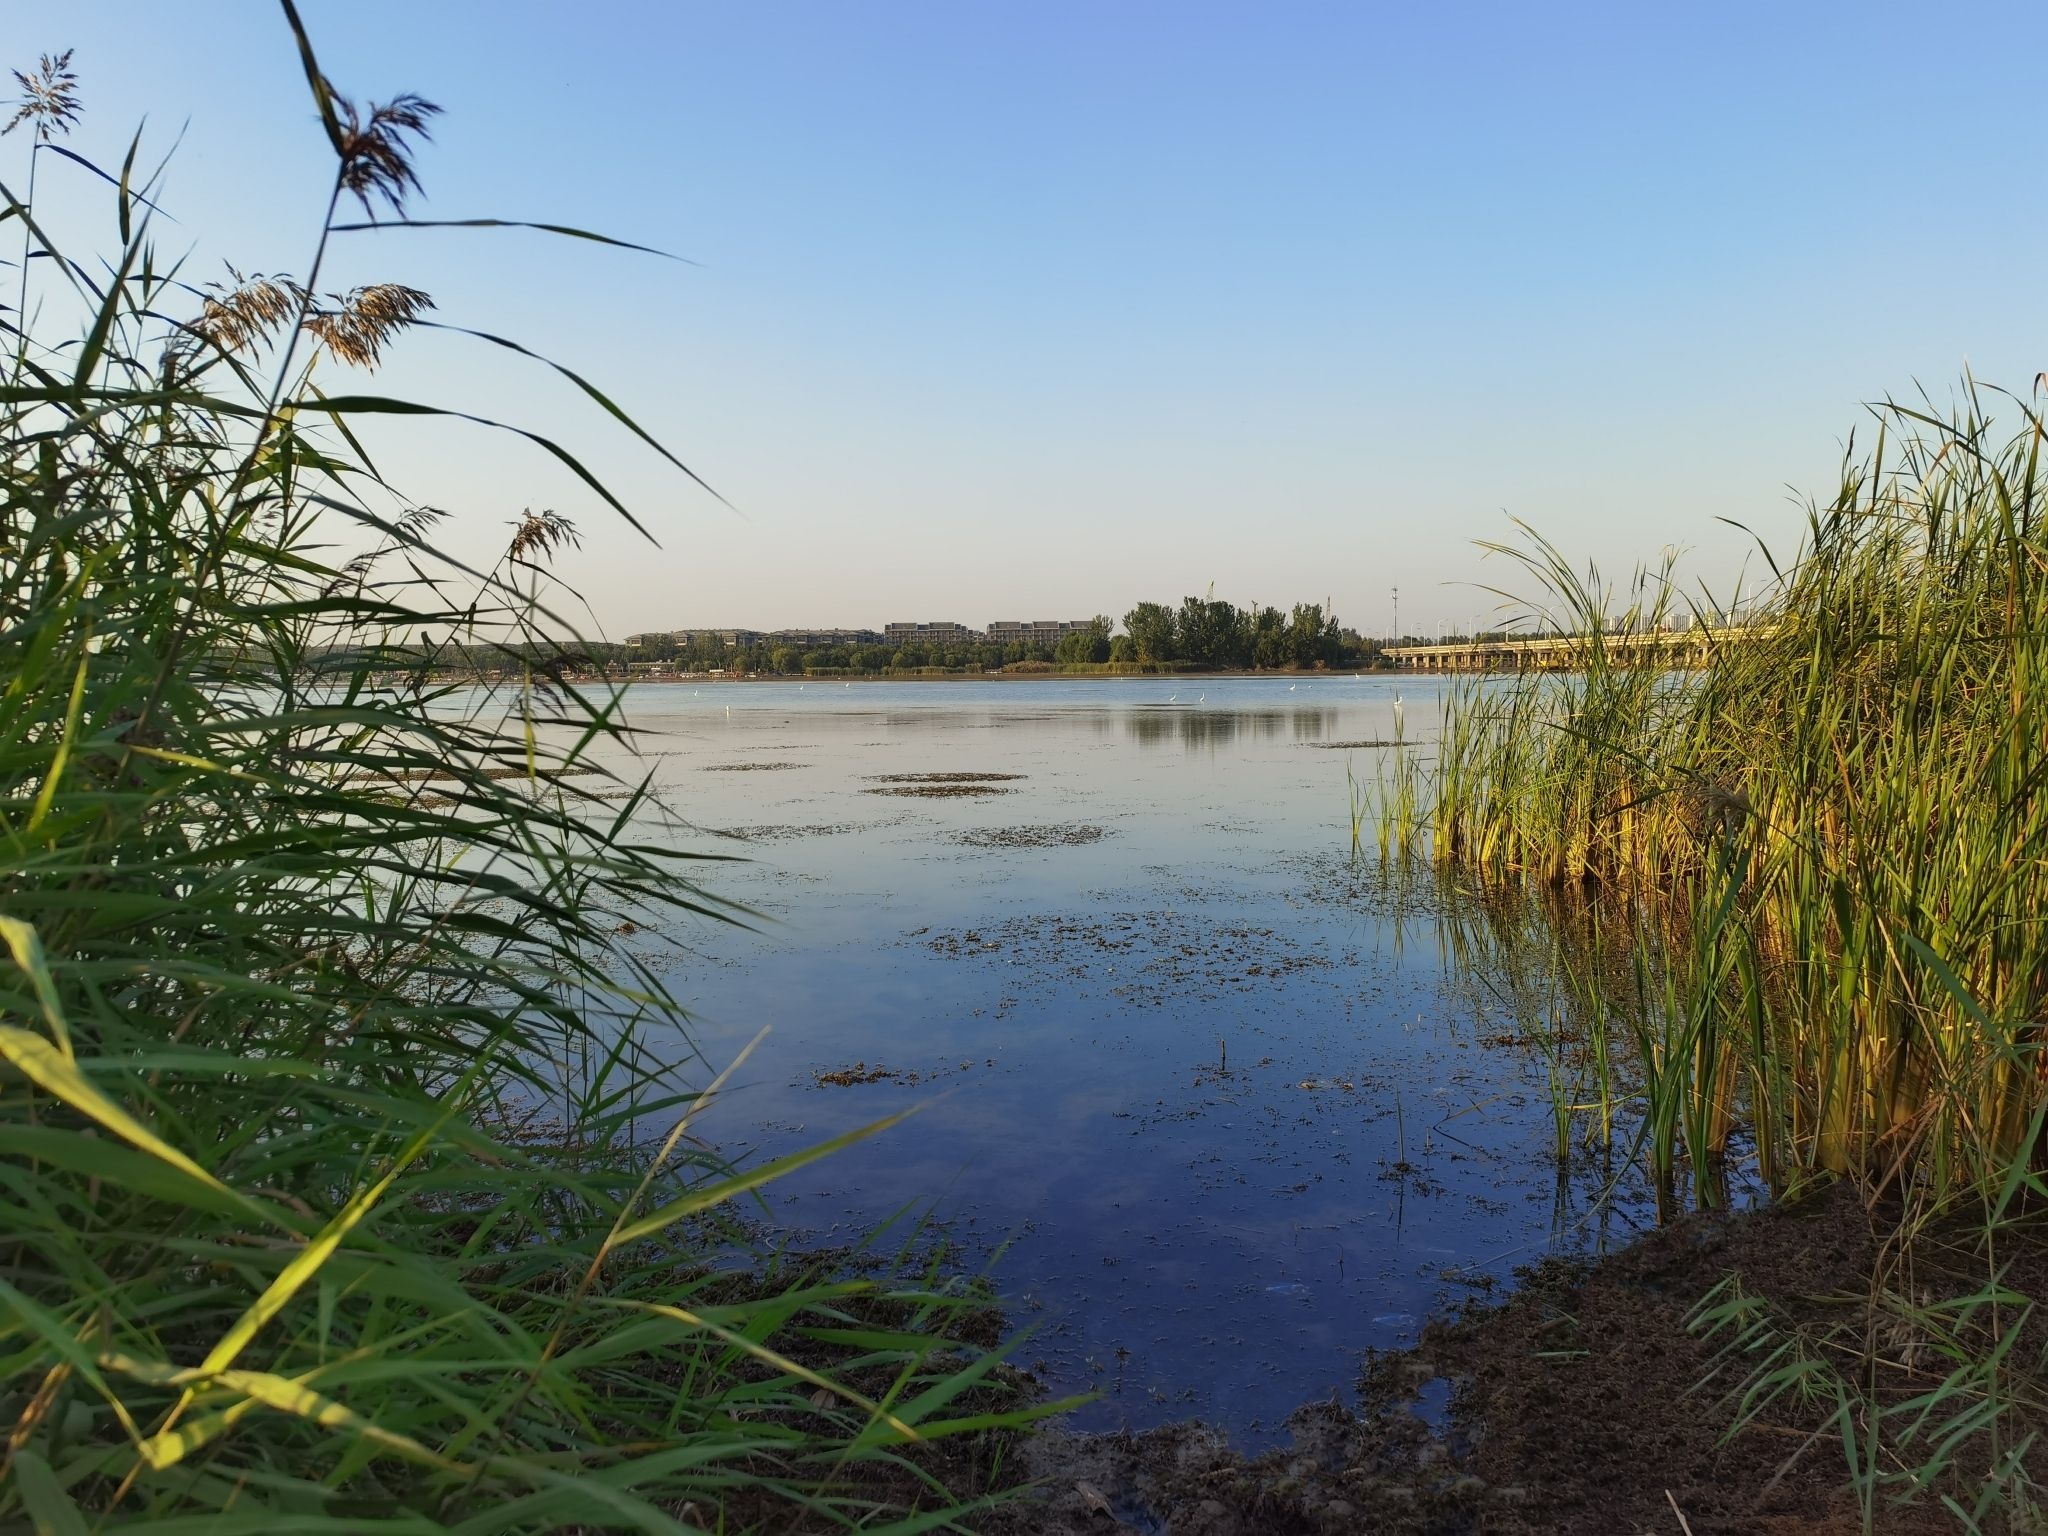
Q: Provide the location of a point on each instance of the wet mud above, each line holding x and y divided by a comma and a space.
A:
1583, 1403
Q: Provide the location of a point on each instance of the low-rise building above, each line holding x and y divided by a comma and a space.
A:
744, 639
935, 632
822, 639
1040, 632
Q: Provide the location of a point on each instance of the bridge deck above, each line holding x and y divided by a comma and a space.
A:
1678, 648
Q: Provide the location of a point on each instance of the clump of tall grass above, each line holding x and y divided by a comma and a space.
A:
1844, 802
1794, 894
301, 945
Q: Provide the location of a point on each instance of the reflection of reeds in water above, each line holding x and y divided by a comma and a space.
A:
1205, 726
1833, 835
1604, 991
1391, 798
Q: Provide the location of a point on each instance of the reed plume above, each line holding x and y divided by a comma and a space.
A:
376, 147
49, 97
360, 322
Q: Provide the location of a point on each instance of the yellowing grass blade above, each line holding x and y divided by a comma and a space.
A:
57, 1075
753, 1178
294, 1275
781, 1362
47, 795
259, 1389
26, 946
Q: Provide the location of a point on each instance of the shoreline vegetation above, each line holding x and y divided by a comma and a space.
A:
328, 1196
1795, 904
1202, 634
1781, 920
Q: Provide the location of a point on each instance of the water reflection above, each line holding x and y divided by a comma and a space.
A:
1204, 727
1206, 1092
1602, 991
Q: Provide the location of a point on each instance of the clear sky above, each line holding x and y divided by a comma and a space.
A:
1037, 309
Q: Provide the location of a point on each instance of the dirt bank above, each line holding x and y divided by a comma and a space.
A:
1574, 1406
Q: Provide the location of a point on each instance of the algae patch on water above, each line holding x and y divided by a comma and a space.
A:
1066, 835
938, 786
860, 1074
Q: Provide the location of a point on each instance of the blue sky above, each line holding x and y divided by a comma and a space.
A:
1036, 310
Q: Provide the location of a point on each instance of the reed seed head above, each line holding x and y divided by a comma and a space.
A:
251, 311
539, 534
376, 148
361, 321
49, 97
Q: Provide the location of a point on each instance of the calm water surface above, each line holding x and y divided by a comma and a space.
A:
1201, 1094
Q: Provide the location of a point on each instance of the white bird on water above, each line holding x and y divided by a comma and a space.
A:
1291, 687
1204, 698
1173, 699
1398, 713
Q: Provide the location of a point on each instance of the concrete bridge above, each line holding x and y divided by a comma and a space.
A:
1565, 653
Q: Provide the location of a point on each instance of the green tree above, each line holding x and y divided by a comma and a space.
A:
1213, 633
1087, 644
1311, 636
1269, 638
1152, 631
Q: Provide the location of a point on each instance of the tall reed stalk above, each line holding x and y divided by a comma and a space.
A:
1823, 853
1843, 805
301, 947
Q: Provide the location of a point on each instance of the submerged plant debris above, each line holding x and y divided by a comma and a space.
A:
1067, 835
942, 778
944, 789
860, 1074
784, 832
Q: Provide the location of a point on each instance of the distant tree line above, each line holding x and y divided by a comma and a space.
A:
1202, 634
1207, 634
705, 652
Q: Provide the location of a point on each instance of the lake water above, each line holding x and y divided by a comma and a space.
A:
1199, 1088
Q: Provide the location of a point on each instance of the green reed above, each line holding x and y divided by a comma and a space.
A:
322, 1060
1840, 809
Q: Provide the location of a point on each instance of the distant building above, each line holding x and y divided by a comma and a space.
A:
937, 632
821, 639
744, 639
683, 637
1040, 632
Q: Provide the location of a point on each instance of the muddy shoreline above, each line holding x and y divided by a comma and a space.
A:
1574, 1405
